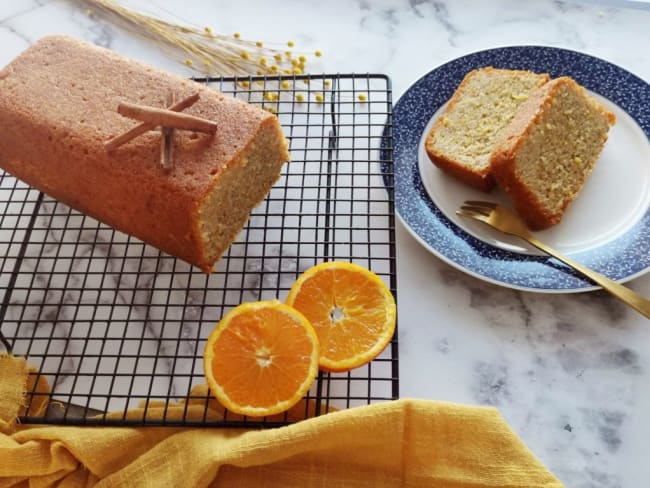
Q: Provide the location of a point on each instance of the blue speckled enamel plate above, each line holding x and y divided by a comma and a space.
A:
607, 228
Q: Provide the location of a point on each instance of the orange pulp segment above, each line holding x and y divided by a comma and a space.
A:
261, 358
351, 309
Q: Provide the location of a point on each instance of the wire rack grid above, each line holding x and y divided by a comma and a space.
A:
117, 328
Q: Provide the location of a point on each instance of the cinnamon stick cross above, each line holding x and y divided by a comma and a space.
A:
140, 129
166, 118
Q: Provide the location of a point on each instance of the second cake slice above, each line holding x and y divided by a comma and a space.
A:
549, 149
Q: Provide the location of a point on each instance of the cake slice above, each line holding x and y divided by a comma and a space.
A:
549, 149
58, 107
465, 135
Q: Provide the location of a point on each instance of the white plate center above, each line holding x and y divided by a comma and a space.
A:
614, 198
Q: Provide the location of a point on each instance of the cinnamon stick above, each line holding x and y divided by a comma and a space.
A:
166, 118
140, 129
167, 142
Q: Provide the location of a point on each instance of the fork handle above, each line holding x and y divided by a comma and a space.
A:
633, 299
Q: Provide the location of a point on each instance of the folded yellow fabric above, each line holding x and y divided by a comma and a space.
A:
13, 383
404, 443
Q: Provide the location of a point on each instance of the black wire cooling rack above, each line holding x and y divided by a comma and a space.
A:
114, 325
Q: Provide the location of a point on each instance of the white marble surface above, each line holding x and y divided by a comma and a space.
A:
570, 373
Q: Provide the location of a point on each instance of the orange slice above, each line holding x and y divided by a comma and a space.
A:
351, 309
261, 358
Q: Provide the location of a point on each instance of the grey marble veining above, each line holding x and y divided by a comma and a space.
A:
570, 373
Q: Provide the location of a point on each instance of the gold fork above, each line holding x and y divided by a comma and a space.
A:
506, 221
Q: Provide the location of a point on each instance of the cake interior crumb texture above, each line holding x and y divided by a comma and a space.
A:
550, 149
58, 106
226, 208
464, 136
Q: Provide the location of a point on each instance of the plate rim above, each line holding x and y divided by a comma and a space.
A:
513, 52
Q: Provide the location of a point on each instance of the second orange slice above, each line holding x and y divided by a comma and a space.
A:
351, 309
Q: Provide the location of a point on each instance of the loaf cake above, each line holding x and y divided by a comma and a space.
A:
58, 102
463, 137
549, 149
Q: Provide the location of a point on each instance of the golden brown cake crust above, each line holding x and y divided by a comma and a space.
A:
503, 159
58, 104
480, 180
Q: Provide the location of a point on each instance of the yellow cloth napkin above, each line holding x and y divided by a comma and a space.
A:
404, 443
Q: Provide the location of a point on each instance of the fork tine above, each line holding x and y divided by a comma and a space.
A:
475, 209
481, 203
472, 214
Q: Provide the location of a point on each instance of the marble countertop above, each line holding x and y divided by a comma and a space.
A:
569, 372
